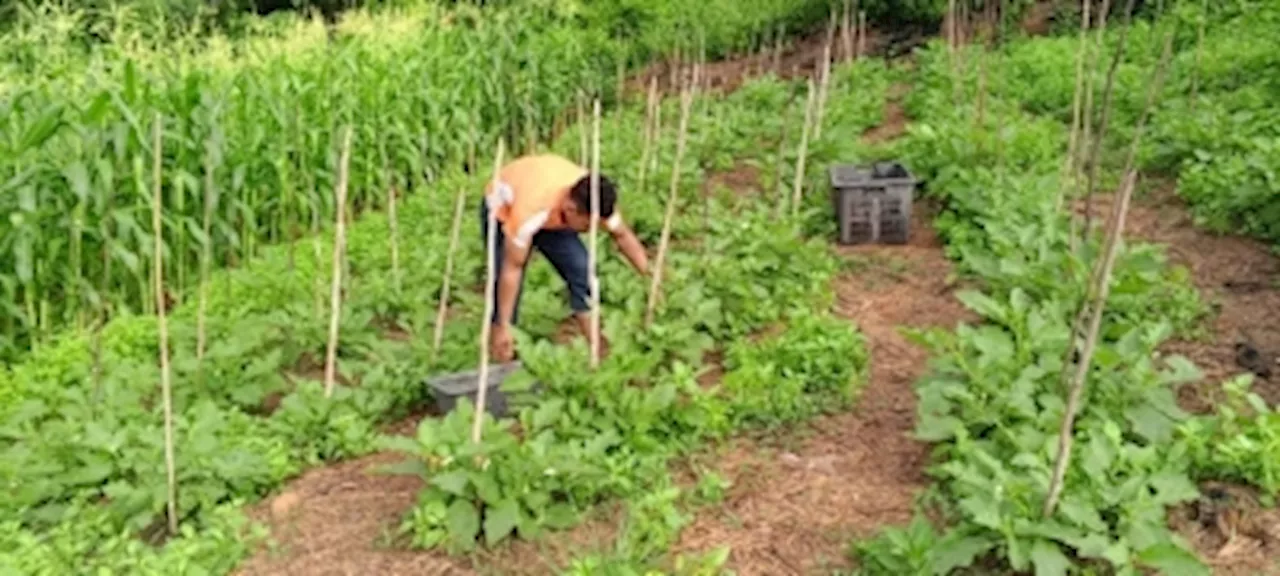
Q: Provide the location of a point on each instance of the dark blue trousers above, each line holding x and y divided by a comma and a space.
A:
563, 248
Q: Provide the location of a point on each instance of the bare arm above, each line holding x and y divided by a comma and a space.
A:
631, 248
513, 259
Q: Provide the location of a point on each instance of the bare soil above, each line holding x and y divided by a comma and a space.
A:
1240, 278
800, 57
793, 509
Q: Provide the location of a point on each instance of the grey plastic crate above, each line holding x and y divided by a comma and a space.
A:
449, 388
873, 203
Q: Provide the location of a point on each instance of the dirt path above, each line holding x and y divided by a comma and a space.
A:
794, 511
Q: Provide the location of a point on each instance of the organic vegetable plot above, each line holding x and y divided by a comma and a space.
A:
338, 514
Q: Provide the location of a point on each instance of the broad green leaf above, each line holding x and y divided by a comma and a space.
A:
938, 428
952, 553
981, 303
1048, 559
1173, 487
487, 487
463, 522
500, 520
1169, 558
561, 515
1150, 423
453, 482
411, 467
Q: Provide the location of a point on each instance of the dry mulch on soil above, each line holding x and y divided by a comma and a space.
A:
1240, 278
795, 511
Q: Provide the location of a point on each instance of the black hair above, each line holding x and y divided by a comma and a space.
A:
581, 195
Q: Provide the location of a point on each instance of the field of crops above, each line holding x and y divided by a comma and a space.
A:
769, 343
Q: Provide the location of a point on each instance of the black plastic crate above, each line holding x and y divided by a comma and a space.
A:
872, 203
449, 388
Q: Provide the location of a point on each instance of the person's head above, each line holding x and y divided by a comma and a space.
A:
577, 206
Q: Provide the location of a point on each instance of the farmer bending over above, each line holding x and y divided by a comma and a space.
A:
544, 202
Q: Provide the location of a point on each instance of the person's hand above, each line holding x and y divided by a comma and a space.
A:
501, 344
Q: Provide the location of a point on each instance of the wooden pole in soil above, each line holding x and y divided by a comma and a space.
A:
655, 285
592, 261
1105, 109
823, 83
166, 383
954, 42
650, 103
206, 257
1195, 69
486, 322
339, 247
846, 30
393, 221
782, 158
862, 34
1100, 288
582, 131
798, 185
443, 306
1068, 163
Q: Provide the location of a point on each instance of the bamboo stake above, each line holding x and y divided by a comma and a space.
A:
593, 255
651, 103
1101, 287
392, 220
1105, 108
686, 102
782, 158
777, 50
1073, 140
982, 78
846, 30
166, 384
862, 34
206, 256
798, 184
953, 41
1086, 135
339, 247
582, 131
486, 324
1195, 69
443, 307
823, 84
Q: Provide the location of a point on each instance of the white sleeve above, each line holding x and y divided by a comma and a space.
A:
524, 235
613, 222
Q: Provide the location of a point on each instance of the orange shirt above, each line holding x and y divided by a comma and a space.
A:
530, 192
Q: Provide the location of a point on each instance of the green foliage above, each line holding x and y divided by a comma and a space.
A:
994, 400
251, 413
1241, 442
1214, 125
414, 85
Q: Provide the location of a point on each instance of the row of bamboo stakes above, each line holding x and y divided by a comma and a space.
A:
1082, 157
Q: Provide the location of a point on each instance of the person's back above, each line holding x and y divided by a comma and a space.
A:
530, 188
543, 201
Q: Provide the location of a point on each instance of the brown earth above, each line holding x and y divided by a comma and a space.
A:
1240, 278
795, 510
800, 57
